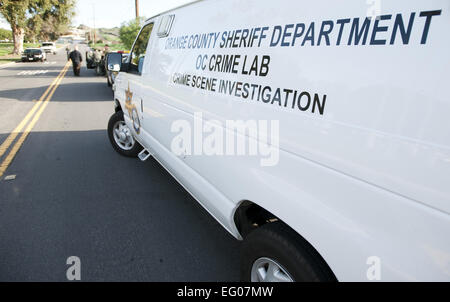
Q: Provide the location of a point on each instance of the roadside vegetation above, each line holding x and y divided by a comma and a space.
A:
36, 20
5, 34
113, 47
129, 30
105, 36
47, 20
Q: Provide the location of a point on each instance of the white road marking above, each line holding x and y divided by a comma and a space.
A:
33, 72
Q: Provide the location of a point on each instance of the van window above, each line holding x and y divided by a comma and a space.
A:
140, 46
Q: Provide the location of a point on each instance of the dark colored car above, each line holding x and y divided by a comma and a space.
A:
95, 60
33, 54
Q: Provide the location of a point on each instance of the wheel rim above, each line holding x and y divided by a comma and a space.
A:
268, 270
122, 136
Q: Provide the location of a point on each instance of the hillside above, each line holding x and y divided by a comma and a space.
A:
105, 36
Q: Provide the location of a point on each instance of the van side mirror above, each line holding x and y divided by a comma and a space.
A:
114, 61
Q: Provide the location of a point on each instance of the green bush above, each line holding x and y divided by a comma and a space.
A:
5, 34
129, 30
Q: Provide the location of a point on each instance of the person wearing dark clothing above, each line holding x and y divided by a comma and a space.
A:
68, 52
75, 57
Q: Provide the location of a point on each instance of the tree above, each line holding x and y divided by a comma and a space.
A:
15, 14
30, 16
54, 18
129, 30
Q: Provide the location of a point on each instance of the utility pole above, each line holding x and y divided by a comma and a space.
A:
137, 8
95, 36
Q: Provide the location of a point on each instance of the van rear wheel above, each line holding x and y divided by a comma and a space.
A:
121, 137
275, 253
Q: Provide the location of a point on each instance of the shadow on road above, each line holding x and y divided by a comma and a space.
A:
127, 220
31, 70
32, 66
79, 91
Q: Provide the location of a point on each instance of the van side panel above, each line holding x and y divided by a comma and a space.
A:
363, 174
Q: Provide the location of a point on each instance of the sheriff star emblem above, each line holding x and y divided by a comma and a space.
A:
132, 111
128, 99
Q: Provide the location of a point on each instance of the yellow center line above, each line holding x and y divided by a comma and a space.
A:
12, 136
5, 164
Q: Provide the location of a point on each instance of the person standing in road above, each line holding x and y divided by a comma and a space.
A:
106, 51
76, 58
68, 52
97, 55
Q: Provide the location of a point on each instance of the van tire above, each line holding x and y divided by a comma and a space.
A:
280, 243
135, 150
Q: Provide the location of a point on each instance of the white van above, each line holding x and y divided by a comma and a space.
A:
316, 131
49, 47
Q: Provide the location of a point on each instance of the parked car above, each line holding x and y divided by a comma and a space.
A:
34, 54
95, 60
49, 47
316, 134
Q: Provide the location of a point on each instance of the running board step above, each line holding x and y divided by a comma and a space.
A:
144, 155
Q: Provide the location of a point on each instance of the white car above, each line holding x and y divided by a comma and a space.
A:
49, 47
316, 131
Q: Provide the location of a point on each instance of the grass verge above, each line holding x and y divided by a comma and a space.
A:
7, 48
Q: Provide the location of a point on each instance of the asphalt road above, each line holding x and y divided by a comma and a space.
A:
73, 195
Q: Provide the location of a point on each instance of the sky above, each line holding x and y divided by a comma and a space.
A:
111, 13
